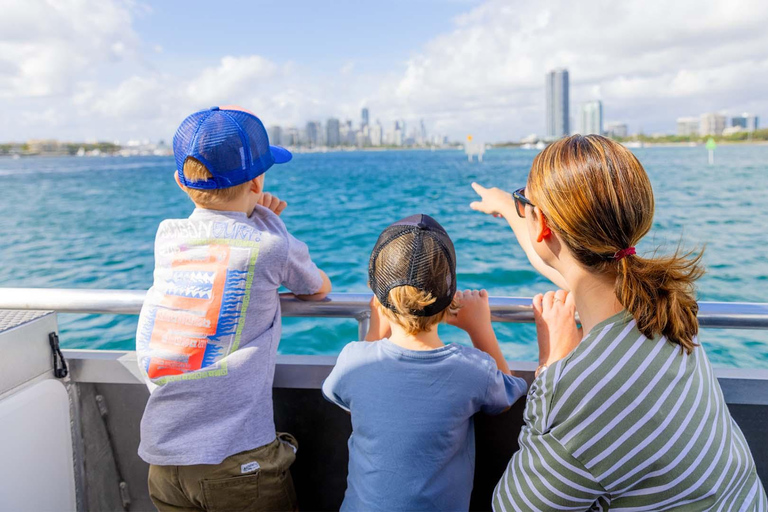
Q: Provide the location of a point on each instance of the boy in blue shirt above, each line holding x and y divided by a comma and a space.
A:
412, 397
210, 325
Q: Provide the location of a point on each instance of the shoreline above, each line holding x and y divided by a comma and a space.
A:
628, 144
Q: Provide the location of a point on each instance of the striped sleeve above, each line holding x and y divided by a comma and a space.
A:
543, 475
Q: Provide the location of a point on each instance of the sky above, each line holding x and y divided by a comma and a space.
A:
115, 70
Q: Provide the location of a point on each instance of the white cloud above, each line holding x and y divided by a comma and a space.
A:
77, 69
47, 46
676, 55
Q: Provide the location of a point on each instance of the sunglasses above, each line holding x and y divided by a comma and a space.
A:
521, 201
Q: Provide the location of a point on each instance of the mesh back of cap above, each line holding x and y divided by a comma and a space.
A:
233, 145
408, 255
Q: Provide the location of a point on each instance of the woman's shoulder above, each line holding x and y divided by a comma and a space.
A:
564, 386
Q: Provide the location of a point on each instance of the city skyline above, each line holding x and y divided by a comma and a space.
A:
117, 70
335, 133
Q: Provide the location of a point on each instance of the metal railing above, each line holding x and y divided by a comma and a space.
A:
723, 315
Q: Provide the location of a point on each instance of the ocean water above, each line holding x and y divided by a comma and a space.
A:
90, 223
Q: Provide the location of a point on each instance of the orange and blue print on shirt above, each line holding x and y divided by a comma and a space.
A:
194, 325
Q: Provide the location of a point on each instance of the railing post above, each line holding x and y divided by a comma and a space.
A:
363, 322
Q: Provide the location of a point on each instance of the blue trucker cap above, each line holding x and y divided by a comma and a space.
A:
232, 144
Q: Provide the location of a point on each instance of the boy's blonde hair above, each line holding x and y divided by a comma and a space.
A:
194, 170
406, 299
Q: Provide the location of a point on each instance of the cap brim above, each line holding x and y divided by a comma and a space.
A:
281, 155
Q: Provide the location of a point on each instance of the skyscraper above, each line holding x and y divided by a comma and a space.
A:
365, 117
557, 104
314, 137
332, 132
591, 118
687, 126
746, 121
616, 130
275, 134
711, 124
376, 134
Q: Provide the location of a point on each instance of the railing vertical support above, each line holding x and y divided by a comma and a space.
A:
363, 322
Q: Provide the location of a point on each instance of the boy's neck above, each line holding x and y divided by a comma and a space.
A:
244, 204
425, 340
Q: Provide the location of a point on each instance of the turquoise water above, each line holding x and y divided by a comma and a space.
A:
90, 223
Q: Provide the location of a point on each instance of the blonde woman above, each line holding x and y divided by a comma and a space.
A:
624, 413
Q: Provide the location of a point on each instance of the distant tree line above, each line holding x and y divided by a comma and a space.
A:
63, 148
743, 136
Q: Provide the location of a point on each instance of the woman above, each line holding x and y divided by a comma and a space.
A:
631, 415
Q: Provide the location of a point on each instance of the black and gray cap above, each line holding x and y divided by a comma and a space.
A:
409, 253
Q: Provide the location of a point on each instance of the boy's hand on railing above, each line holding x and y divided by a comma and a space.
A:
274, 203
474, 317
378, 324
493, 201
474, 312
556, 329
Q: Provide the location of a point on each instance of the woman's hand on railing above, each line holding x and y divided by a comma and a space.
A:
556, 329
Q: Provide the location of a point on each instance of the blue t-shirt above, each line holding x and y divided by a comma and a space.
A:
412, 445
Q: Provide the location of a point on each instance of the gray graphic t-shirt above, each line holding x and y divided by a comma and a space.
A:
208, 333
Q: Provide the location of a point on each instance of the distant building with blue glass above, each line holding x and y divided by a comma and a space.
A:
333, 133
745, 121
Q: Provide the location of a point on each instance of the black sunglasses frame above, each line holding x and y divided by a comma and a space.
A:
521, 201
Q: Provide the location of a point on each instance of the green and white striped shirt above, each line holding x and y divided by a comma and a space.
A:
628, 423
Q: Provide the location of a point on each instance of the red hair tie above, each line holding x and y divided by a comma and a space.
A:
629, 251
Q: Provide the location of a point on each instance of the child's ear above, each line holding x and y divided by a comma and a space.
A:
176, 177
257, 184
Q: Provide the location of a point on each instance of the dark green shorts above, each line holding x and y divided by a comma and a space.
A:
254, 480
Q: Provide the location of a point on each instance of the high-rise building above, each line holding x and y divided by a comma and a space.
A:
314, 137
687, 126
332, 136
364, 117
399, 133
348, 135
591, 118
376, 134
745, 121
616, 130
711, 124
290, 136
557, 104
275, 134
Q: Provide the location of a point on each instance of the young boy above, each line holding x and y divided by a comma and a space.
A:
210, 325
411, 397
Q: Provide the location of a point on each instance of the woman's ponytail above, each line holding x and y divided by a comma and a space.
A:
597, 197
659, 294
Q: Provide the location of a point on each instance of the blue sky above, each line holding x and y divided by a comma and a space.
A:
375, 36
126, 69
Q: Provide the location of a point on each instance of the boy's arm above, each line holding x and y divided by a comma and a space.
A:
300, 274
474, 317
322, 293
333, 385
